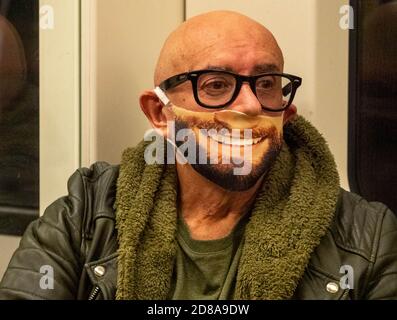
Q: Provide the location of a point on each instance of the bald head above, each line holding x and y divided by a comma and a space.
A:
208, 38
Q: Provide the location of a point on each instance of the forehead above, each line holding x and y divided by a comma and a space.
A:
243, 56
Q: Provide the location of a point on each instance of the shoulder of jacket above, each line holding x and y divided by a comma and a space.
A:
95, 188
97, 175
99, 171
358, 223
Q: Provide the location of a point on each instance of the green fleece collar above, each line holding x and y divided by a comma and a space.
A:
291, 214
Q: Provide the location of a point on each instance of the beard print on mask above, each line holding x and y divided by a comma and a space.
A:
264, 144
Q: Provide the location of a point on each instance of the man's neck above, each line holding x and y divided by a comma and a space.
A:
210, 211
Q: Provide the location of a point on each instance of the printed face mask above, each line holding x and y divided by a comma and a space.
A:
229, 148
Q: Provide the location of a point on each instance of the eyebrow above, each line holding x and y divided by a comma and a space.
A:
268, 67
262, 68
211, 67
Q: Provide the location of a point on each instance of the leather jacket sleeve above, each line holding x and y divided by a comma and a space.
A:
382, 280
50, 249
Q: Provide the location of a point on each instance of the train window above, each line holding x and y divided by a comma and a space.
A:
373, 101
19, 114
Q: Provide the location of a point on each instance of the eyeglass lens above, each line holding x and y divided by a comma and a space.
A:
215, 89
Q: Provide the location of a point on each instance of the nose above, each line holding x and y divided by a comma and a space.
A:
247, 102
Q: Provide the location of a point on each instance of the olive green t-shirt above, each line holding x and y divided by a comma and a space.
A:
206, 269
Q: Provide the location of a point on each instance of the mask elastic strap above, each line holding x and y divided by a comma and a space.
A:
161, 95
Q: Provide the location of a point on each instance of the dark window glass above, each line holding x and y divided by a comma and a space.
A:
19, 114
373, 99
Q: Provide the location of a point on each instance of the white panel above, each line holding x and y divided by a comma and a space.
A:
332, 74
8, 245
59, 98
89, 12
314, 48
122, 40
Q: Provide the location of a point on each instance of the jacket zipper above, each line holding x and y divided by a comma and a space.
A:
94, 293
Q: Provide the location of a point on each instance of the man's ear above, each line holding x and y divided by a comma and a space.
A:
289, 114
153, 109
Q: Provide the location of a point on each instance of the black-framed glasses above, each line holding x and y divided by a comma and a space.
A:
217, 89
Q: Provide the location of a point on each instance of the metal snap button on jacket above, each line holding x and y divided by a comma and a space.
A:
99, 271
332, 287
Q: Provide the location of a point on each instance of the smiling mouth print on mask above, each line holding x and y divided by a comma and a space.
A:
232, 149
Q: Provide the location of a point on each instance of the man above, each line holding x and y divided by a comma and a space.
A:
270, 223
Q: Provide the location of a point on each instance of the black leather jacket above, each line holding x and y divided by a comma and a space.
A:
77, 238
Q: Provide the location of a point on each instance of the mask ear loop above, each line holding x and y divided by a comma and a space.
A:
178, 155
163, 98
161, 95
